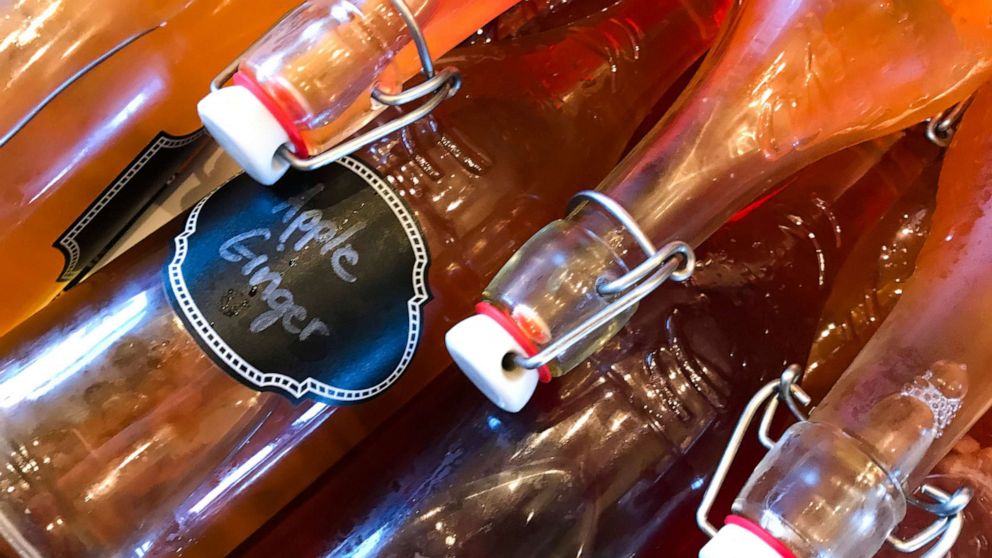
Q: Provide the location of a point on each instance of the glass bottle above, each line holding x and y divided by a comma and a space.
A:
308, 82
116, 404
619, 449
44, 46
911, 393
869, 284
533, 16
787, 84
99, 115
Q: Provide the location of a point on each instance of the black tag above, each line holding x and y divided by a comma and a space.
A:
313, 287
115, 209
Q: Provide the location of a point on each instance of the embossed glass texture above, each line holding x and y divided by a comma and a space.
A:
113, 412
913, 390
788, 83
609, 460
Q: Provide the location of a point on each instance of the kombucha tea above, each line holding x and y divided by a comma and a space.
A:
99, 115
119, 402
908, 397
788, 83
615, 453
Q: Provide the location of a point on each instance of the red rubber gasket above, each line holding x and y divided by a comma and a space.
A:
511, 327
759, 532
277, 112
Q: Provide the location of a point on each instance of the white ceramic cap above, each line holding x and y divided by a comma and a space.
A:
733, 541
478, 345
246, 130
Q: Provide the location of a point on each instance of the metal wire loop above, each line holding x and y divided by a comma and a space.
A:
767, 396
675, 261
944, 530
941, 504
618, 214
449, 88
941, 128
437, 85
433, 85
656, 258
942, 533
675, 251
663, 270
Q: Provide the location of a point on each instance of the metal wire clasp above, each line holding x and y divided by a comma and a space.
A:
675, 261
941, 128
439, 85
947, 508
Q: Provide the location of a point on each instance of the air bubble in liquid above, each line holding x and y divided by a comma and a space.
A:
941, 388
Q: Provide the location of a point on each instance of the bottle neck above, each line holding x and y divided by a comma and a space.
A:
622, 60
762, 108
692, 172
815, 470
918, 384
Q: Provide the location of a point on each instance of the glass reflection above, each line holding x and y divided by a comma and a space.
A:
66, 356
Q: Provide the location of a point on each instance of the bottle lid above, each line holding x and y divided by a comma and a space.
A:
245, 128
478, 346
740, 537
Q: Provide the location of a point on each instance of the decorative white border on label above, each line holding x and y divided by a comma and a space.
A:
68, 240
298, 389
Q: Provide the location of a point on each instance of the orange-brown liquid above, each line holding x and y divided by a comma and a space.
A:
614, 453
922, 379
112, 410
532, 16
869, 286
824, 75
71, 152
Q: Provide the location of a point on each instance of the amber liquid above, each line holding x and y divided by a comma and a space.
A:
533, 16
111, 409
870, 283
74, 149
608, 460
757, 111
868, 287
762, 109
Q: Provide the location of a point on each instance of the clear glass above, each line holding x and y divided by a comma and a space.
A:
43, 44
105, 393
922, 379
868, 285
787, 83
609, 460
322, 61
837, 503
570, 260
77, 145
926, 361
71, 472
533, 16
871, 282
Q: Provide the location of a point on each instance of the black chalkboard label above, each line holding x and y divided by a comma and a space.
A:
110, 215
313, 287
